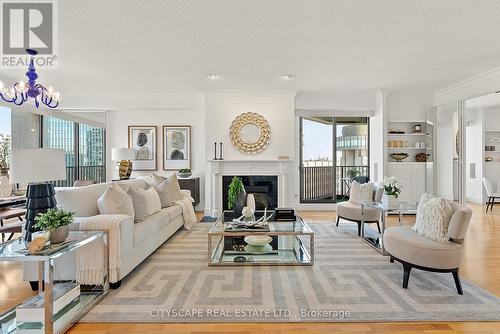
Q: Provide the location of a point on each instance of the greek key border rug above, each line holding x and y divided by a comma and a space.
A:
348, 282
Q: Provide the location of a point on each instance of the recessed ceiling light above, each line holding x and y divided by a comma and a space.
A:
212, 76
287, 77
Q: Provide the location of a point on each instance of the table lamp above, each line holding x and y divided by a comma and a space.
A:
123, 155
37, 167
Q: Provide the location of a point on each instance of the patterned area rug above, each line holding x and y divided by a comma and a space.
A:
348, 282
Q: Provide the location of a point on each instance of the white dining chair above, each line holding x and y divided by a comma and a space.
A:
490, 187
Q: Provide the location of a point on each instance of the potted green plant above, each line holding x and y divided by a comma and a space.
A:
5, 187
236, 196
185, 172
352, 173
56, 222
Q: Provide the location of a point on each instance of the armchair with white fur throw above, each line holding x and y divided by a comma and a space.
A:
435, 243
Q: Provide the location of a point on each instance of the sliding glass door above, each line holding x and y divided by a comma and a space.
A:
334, 151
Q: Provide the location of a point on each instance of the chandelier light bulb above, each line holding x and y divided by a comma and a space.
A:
1, 86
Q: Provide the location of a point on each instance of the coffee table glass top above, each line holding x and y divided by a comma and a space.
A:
15, 250
401, 207
293, 227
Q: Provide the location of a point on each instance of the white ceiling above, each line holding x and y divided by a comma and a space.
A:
122, 47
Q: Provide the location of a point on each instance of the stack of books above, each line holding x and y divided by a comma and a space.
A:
30, 315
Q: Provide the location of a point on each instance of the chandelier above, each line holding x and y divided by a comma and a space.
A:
23, 91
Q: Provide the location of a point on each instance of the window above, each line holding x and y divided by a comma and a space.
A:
333, 151
84, 146
5, 139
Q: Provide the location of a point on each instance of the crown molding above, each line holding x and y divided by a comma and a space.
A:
495, 72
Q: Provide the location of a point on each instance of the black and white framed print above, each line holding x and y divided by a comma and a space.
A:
176, 147
142, 138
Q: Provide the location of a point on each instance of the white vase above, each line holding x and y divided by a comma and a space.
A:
5, 187
251, 202
390, 200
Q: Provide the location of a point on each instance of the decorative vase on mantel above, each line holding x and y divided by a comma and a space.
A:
390, 200
240, 203
5, 186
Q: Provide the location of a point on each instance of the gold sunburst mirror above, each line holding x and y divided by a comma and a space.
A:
250, 133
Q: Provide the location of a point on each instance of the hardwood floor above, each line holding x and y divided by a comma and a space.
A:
481, 266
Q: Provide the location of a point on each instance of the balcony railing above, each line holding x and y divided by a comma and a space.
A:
96, 173
318, 182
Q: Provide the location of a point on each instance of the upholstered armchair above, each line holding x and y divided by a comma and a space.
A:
352, 212
412, 250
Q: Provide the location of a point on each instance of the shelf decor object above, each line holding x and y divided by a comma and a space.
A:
399, 156
37, 167
123, 156
23, 91
250, 133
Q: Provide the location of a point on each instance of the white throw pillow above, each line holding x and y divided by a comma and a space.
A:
168, 188
433, 218
361, 193
146, 202
115, 201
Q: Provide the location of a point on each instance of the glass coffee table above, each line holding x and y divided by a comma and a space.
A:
292, 243
376, 239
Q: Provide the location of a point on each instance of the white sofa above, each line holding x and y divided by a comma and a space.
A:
138, 240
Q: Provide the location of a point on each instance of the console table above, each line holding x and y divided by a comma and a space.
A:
192, 184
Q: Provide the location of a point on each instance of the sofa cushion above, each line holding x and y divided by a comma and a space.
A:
115, 201
361, 193
406, 244
82, 200
146, 202
433, 218
168, 188
152, 224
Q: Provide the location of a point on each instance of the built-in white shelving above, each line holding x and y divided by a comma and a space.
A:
411, 141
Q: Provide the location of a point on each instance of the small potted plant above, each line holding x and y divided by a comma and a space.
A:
184, 173
352, 173
392, 189
56, 222
236, 196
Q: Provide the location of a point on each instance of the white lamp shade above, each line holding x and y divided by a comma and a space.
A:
118, 154
37, 165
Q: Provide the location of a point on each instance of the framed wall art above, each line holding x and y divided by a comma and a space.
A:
176, 147
142, 138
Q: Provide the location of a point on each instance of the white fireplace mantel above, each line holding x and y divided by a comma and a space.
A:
218, 168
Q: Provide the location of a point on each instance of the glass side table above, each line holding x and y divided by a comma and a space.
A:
15, 251
376, 240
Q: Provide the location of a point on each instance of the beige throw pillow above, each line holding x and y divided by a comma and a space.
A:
168, 189
115, 201
433, 218
146, 202
361, 193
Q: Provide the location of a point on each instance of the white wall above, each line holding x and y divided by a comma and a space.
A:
278, 109
117, 122
406, 106
378, 128
474, 154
